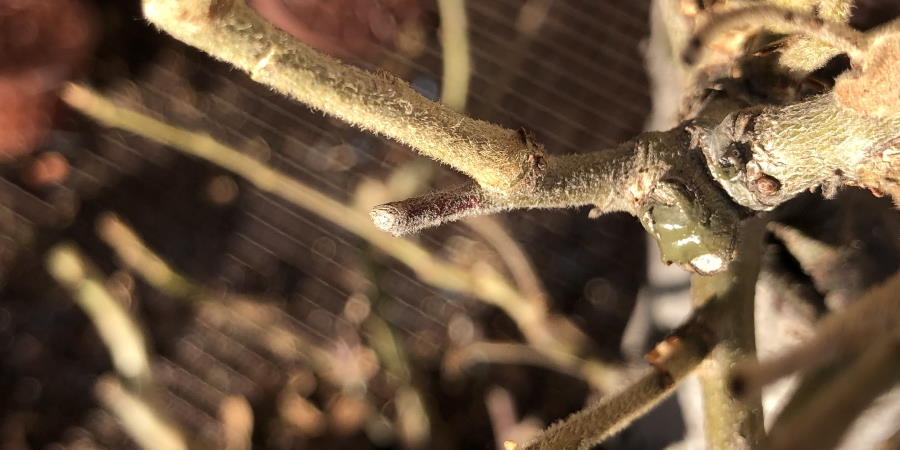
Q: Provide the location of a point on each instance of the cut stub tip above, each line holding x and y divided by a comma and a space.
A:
417, 213
391, 219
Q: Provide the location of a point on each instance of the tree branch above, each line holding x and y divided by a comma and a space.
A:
657, 176
672, 360
497, 158
728, 421
838, 35
837, 404
766, 156
839, 335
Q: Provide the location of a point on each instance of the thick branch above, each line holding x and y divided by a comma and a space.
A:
497, 158
659, 177
766, 156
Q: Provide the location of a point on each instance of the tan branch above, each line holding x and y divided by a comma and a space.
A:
839, 335
672, 360
119, 332
454, 35
838, 35
497, 158
765, 156
837, 404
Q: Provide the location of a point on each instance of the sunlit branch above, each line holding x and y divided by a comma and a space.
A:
839, 35
497, 158
672, 360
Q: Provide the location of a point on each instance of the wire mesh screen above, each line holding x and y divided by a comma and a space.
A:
577, 82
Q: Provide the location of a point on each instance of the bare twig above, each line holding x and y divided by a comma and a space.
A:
512, 254
118, 330
409, 216
139, 418
840, 334
834, 408
495, 157
488, 286
136, 407
672, 360
131, 249
456, 58
598, 376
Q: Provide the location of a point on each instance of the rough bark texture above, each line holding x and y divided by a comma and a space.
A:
497, 158
766, 156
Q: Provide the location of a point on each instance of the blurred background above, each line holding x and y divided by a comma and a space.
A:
265, 325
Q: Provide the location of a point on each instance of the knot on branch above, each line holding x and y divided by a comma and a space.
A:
535, 164
729, 156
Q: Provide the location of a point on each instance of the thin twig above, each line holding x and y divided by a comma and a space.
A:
461, 359
876, 314
484, 285
514, 257
432, 209
834, 408
228, 29
118, 330
135, 254
457, 61
139, 418
672, 360
137, 407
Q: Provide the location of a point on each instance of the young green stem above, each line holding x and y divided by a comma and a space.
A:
729, 422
